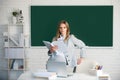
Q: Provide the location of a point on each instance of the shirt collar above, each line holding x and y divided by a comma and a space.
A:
61, 38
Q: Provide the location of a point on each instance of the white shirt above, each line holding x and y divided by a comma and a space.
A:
71, 45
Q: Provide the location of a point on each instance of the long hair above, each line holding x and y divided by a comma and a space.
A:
58, 30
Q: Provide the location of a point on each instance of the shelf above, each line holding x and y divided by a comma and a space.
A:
13, 47
15, 58
19, 24
14, 53
16, 69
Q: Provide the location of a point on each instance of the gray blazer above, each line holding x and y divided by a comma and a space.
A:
70, 56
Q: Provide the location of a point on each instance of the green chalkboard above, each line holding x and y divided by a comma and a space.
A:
91, 24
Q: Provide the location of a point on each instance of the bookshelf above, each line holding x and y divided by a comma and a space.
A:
14, 46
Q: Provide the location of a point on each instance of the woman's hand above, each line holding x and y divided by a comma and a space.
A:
53, 48
79, 60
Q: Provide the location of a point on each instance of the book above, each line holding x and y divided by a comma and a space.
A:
104, 77
62, 47
48, 75
11, 63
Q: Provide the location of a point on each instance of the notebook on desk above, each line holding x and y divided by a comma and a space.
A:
58, 67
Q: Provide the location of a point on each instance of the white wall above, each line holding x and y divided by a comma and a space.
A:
109, 57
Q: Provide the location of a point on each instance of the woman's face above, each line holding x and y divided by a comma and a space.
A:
63, 29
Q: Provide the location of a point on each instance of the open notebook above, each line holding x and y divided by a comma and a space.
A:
61, 45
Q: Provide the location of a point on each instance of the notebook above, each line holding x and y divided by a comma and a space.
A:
58, 67
61, 45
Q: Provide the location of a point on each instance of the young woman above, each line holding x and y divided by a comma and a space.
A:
63, 32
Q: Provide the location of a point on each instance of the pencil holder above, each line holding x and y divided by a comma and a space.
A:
99, 72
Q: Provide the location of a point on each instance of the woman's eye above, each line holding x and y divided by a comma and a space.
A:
64, 27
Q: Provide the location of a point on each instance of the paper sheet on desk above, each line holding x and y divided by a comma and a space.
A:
45, 75
61, 45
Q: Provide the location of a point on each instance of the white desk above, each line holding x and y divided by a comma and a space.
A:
76, 76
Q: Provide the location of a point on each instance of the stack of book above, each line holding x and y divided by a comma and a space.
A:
104, 77
47, 75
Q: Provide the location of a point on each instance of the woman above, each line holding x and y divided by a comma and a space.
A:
63, 32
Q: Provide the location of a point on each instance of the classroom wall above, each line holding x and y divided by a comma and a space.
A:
109, 57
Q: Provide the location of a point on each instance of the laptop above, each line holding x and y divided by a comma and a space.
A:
59, 67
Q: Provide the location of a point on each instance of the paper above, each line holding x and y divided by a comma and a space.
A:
61, 45
47, 44
44, 74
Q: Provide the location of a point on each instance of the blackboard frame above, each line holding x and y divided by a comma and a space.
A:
109, 29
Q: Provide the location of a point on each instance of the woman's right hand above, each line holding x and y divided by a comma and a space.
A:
53, 48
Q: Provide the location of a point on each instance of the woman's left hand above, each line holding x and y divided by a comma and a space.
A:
79, 60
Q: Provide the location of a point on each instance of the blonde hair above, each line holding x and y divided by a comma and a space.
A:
58, 30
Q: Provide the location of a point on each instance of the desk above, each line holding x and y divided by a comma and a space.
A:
76, 76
